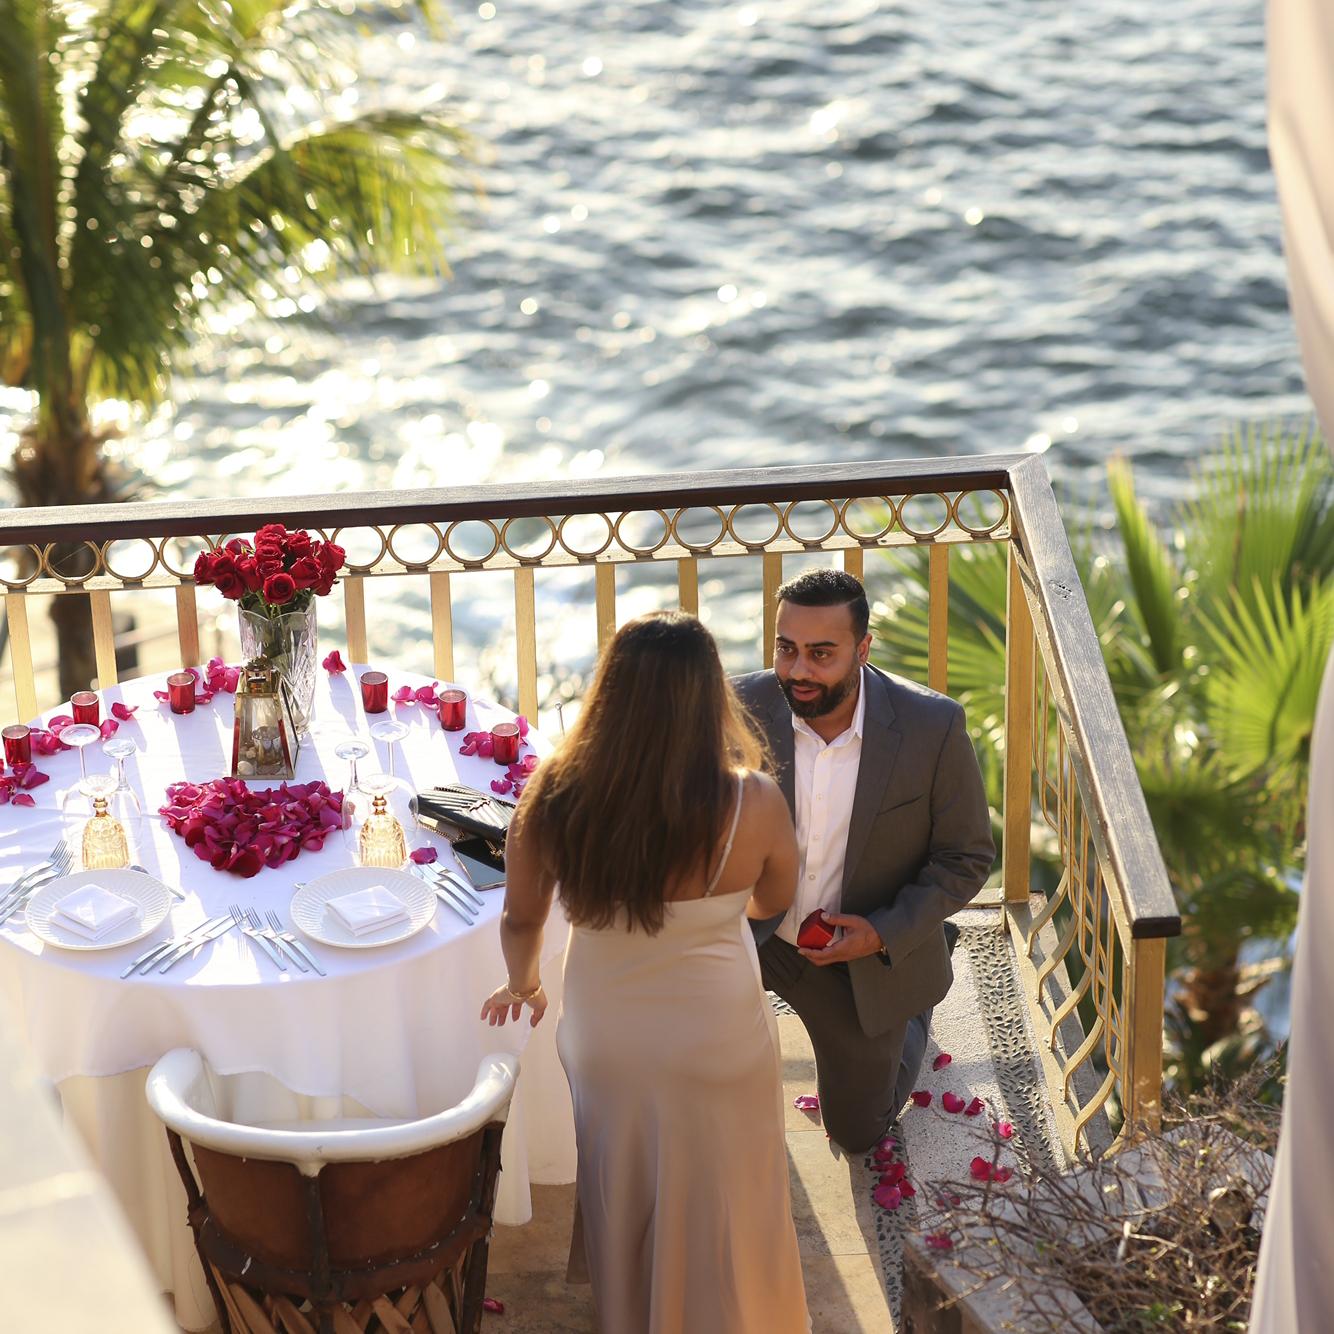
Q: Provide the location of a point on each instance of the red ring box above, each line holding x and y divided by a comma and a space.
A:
816, 931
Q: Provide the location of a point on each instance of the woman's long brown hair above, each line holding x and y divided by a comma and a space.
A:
633, 801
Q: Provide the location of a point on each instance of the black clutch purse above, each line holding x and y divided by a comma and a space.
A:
476, 823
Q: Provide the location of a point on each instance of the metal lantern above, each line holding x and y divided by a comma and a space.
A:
264, 738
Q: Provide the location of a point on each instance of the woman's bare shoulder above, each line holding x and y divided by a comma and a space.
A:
762, 791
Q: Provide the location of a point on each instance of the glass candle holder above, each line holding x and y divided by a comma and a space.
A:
18, 744
453, 710
181, 692
87, 707
374, 692
505, 743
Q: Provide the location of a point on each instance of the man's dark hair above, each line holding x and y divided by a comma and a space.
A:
830, 588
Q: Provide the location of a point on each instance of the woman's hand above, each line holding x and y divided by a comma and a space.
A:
500, 1006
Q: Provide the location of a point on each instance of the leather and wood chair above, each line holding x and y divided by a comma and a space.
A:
338, 1227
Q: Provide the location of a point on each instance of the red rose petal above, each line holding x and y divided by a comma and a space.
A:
124, 711
951, 1102
1004, 1129
922, 1097
403, 695
939, 1241
941, 1061
494, 1305
974, 1107
893, 1174
980, 1169
806, 1102
1001, 1175
887, 1197
501, 785
23, 799
523, 726
423, 856
333, 662
109, 728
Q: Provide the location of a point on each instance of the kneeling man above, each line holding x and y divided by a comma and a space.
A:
894, 833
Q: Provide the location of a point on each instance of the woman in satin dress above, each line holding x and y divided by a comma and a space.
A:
657, 827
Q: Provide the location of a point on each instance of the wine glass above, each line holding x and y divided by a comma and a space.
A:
120, 749
352, 750
78, 735
390, 731
104, 845
381, 841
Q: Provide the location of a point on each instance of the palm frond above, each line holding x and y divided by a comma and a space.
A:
1153, 575
1263, 690
1262, 513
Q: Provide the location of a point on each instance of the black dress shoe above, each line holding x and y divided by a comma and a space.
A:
951, 936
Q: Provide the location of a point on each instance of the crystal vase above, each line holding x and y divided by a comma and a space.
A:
291, 642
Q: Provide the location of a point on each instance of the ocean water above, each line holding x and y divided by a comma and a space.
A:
777, 232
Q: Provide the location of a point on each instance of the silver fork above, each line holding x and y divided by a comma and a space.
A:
154, 953
48, 860
263, 932
191, 943
243, 921
292, 943
26, 886
449, 896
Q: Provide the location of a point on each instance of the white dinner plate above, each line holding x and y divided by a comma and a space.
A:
151, 896
311, 913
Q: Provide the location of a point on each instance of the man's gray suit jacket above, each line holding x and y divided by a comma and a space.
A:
919, 841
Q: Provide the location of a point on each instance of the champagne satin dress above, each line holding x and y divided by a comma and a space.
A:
671, 1050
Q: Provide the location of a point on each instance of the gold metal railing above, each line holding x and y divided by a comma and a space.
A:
1098, 942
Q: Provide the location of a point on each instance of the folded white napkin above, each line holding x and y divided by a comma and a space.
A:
93, 912
368, 909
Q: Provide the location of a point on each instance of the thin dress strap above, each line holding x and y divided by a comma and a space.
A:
731, 834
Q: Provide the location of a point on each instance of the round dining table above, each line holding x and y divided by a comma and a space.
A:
389, 1031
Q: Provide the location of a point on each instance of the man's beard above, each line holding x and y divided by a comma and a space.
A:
829, 698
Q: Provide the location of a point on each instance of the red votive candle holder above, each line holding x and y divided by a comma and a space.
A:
87, 707
374, 692
453, 710
18, 744
505, 743
181, 692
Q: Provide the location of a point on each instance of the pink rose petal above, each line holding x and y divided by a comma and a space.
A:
806, 1102
423, 856
908, 1189
939, 1241
980, 1169
123, 711
893, 1174
523, 726
485, 748
426, 695
333, 662
1004, 1129
109, 728
887, 1197
951, 1102
403, 695
529, 763
1001, 1175
494, 1305
23, 799
501, 785
941, 1061
922, 1097
974, 1107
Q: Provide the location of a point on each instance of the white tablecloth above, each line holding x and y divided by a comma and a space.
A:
393, 1029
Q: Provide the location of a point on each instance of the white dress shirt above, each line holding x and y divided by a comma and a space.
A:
824, 778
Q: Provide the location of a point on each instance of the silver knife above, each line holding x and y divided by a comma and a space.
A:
189, 946
163, 945
458, 882
447, 899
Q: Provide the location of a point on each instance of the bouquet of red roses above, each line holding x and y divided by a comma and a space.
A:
282, 570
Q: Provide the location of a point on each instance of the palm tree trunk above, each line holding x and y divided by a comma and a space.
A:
59, 462
1210, 996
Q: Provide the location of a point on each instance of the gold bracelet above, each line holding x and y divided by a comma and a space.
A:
523, 995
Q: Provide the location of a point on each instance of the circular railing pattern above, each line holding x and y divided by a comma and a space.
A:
642, 534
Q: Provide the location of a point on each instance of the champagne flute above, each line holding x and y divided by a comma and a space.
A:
390, 731
120, 749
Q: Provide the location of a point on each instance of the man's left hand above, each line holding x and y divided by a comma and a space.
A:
860, 939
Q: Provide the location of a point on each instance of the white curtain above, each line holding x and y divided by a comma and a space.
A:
1295, 1286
